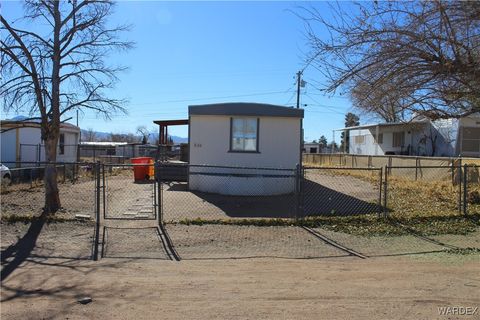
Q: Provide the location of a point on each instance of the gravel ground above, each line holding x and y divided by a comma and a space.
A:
401, 245
225, 241
74, 240
143, 243
70, 240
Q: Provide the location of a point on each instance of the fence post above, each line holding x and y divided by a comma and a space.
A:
458, 178
465, 188
31, 178
380, 193
159, 203
416, 168
385, 190
97, 210
298, 171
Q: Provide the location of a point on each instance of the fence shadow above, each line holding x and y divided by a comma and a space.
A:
317, 200
320, 200
279, 206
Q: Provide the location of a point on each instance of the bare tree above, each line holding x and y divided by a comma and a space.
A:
421, 57
144, 133
59, 69
89, 135
383, 100
124, 137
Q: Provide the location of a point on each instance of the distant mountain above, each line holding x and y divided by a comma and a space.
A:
179, 139
176, 139
18, 118
105, 136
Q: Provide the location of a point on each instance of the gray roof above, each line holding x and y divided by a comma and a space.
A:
245, 109
388, 124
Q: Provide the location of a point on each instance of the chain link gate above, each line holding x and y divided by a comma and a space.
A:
128, 212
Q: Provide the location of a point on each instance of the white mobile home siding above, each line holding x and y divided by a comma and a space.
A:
279, 142
278, 147
24, 144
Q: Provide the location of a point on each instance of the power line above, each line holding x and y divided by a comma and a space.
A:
213, 98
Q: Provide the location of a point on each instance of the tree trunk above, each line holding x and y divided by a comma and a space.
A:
51, 135
52, 197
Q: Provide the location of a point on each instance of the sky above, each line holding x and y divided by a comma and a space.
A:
189, 53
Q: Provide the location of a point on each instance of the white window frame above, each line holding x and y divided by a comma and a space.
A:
243, 135
402, 140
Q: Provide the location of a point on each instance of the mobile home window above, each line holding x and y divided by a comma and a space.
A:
61, 144
244, 134
360, 139
380, 138
470, 139
398, 139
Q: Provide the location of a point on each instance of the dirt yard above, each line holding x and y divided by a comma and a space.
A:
235, 272
262, 288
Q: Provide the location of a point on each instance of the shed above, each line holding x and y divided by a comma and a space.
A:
225, 137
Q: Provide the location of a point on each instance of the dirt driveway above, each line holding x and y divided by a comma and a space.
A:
386, 288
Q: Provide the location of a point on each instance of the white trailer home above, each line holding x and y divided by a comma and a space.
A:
421, 137
251, 135
21, 142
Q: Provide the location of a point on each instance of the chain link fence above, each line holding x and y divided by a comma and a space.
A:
471, 194
176, 210
428, 191
23, 193
214, 193
331, 191
67, 234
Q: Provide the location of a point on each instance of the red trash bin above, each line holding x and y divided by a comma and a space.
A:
142, 172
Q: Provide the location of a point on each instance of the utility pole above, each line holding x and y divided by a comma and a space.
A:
299, 80
77, 117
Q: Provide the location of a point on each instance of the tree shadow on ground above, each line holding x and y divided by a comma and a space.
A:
316, 200
14, 255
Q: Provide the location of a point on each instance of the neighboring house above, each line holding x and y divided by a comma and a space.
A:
21, 142
311, 147
91, 150
250, 135
421, 137
314, 147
